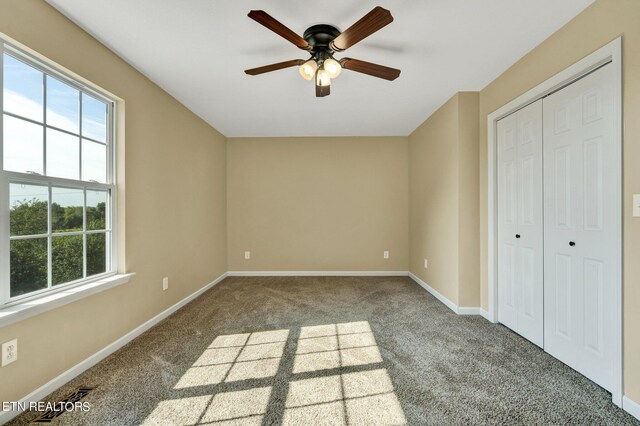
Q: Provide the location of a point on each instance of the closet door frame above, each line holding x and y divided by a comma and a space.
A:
610, 53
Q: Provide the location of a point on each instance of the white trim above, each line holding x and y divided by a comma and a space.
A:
50, 69
611, 52
631, 407
484, 314
469, 311
51, 300
82, 366
448, 303
317, 273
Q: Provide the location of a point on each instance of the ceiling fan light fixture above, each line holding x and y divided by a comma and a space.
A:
321, 41
308, 69
322, 78
332, 67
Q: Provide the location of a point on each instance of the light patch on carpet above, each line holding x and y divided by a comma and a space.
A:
238, 405
377, 409
317, 344
324, 347
364, 383
253, 370
316, 361
323, 414
314, 391
262, 351
254, 360
203, 376
188, 410
268, 337
363, 397
218, 356
230, 340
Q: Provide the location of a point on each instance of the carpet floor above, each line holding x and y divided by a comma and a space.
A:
331, 350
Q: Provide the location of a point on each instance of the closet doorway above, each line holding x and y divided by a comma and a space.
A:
557, 218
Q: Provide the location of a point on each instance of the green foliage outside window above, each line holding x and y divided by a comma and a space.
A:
29, 257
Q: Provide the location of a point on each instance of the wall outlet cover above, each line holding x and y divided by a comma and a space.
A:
9, 352
385, 254
636, 205
426, 264
247, 255
165, 283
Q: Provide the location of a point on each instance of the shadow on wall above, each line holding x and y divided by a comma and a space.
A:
335, 377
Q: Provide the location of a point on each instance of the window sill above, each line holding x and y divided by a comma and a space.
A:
18, 312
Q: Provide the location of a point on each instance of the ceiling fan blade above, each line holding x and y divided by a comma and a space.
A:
371, 22
375, 70
263, 18
322, 91
274, 67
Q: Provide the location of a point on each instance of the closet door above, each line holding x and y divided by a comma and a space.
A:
580, 271
520, 221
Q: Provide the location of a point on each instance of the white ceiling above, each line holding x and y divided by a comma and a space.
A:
197, 50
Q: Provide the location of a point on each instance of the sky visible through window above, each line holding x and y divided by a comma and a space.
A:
23, 95
65, 197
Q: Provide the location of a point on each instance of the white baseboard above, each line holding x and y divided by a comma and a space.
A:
79, 368
317, 273
631, 407
448, 303
469, 311
484, 314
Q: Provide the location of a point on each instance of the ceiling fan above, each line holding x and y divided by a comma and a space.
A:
322, 41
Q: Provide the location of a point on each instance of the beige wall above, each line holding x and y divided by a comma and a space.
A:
443, 200
317, 204
175, 206
596, 26
469, 198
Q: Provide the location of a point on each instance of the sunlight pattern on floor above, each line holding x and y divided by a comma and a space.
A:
237, 357
334, 376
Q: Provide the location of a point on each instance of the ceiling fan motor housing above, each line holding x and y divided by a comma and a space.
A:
320, 36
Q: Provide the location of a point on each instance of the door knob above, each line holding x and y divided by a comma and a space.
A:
517, 235
571, 243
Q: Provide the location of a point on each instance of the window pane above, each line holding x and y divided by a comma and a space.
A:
94, 161
96, 254
28, 206
96, 210
94, 118
23, 89
66, 209
63, 155
66, 259
22, 145
28, 264
63, 105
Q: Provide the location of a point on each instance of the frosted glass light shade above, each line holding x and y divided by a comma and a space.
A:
308, 69
332, 67
322, 78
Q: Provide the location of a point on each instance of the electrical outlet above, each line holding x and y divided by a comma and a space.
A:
385, 254
247, 255
426, 264
636, 205
9, 352
165, 283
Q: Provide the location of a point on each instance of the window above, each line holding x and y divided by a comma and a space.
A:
57, 182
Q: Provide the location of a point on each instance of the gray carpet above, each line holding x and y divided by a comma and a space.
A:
332, 350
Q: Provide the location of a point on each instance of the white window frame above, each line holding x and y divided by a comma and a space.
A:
7, 177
